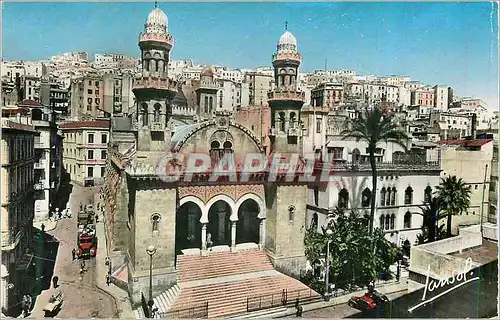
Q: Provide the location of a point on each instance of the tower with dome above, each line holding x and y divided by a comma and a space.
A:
286, 100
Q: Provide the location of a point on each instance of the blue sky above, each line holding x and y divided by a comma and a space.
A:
438, 43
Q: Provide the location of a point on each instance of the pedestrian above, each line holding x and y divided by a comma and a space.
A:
82, 264
299, 309
108, 279
55, 279
81, 206
209, 241
73, 253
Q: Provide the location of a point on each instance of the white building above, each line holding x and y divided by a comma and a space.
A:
469, 160
441, 97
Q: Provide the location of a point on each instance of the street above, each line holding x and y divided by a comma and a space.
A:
342, 310
82, 299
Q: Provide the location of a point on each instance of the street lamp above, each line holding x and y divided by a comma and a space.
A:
151, 250
329, 234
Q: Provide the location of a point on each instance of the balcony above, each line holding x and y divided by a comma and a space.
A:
290, 56
157, 37
157, 127
92, 145
155, 83
272, 132
381, 166
293, 132
209, 85
40, 165
10, 242
291, 95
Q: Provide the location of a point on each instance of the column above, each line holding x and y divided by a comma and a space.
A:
262, 233
233, 236
222, 227
204, 237
191, 225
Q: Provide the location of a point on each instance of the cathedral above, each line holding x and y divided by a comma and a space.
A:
178, 217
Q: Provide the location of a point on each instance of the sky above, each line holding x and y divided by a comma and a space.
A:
455, 44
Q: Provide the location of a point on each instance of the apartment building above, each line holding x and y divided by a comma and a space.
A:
441, 98
470, 160
117, 93
18, 158
55, 95
328, 94
423, 97
259, 84
85, 150
86, 97
451, 125
31, 87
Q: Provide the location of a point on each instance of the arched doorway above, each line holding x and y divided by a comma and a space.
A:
247, 228
187, 227
219, 224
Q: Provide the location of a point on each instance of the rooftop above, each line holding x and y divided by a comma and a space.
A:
466, 143
85, 124
483, 254
29, 103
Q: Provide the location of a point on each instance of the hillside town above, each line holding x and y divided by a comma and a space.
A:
411, 171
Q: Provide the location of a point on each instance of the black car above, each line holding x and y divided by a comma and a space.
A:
379, 297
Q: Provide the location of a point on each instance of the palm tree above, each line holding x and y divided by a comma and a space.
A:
430, 213
454, 198
374, 127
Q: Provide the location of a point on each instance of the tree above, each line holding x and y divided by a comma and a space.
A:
374, 127
430, 214
454, 198
351, 258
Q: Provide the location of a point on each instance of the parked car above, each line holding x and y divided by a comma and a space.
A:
378, 297
363, 303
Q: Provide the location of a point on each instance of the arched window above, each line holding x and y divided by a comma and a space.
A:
343, 199
393, 221
228, 147
382, 197
382, 222
291, 213
387, 222
393, 196
144, 113
152, 65
356, 155
292, 120
366, 198
155, 221
215, 151
314, 221
427, 194
157, 112
388, 197
407, 220
282, 121
205, 105
408, 195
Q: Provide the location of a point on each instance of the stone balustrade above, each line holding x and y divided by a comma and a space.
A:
292, 95
155, 83
158, 37
294, 56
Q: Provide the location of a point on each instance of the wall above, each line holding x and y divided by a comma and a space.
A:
470, 166
149, 201
285, 237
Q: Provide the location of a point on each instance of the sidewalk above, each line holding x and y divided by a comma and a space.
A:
290, 311
49, 224
121, 297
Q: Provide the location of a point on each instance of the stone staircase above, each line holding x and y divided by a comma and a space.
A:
226, 282
221, 264
162, 302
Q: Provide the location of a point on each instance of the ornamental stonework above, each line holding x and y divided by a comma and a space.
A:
235, 192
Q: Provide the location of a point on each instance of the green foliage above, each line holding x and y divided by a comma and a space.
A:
352, 258
454, 198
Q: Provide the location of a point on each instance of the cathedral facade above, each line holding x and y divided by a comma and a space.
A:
178, 217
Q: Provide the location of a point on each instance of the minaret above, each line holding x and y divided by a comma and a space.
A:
206, 95
154, 90
286, 100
